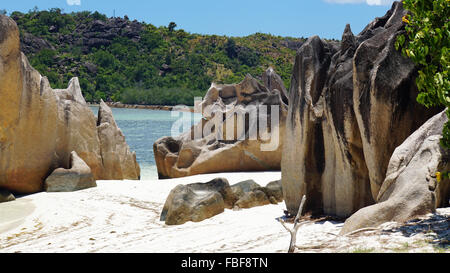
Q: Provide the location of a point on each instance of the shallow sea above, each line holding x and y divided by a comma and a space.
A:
143, 127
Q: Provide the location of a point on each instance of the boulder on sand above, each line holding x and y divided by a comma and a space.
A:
249, 195
274, 191
241, 188
254, 198
197, 202
410, 188
6, 196
78, 177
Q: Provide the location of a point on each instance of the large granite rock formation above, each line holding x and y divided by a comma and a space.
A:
207, 148
78, 177
410, 188
39, 126
350, 106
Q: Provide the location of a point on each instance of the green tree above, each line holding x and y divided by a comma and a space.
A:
230, 48
172, 26
427, 43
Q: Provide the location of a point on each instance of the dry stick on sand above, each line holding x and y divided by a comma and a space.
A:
327, 243
293, 231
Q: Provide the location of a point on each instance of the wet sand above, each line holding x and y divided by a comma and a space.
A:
13, 214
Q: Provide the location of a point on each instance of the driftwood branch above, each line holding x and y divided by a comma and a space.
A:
328, 242
361, 230
293, 231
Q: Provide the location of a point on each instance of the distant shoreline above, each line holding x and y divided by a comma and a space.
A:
148, 107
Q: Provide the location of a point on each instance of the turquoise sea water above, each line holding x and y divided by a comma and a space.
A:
142, 128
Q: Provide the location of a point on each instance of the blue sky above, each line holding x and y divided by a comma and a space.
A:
296, 18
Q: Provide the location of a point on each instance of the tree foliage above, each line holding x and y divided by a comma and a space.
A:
427, 43
161, 60
172, 26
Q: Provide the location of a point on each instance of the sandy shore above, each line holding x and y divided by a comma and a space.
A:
123, 216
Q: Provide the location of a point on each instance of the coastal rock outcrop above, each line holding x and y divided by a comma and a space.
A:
78, 177
410, 188
39, 126
241, 130
350, 106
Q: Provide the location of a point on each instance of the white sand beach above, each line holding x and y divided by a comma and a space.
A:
123, 216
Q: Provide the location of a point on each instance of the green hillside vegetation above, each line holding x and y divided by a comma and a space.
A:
134, 62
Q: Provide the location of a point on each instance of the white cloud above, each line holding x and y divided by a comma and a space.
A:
379, 2
73, 2
368, 2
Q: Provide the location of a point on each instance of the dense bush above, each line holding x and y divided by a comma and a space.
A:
427, 43
160, 96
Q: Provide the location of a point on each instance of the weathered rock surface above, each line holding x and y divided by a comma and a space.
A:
241, 188
249, 195
78, 177
274, 192
252, 199
93, 34
33, 44
197, 202
350, 106
6, 196
410, 188
273, 81
208, 148
39, 126
115, 152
